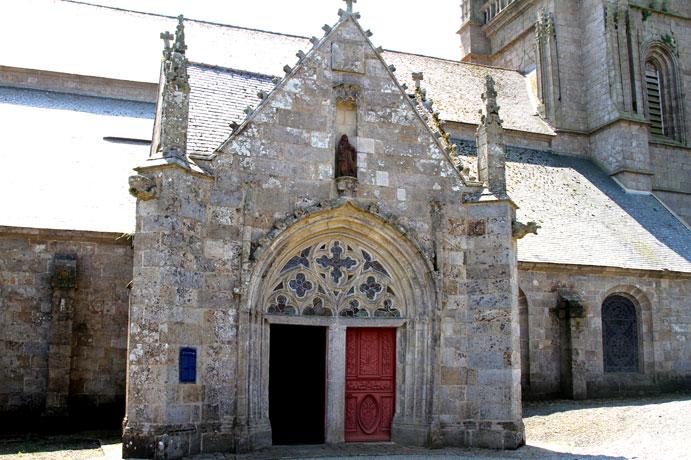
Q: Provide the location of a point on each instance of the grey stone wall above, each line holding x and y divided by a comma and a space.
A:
664, 330
96, 355
672, 168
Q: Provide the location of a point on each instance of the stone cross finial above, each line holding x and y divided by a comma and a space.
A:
417, 77
349, 3
167, 37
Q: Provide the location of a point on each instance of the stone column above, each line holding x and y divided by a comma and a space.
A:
64, 283
335, 384
572, 310
491, 158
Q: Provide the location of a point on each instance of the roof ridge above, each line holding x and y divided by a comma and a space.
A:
231, 69
201, 21
453, 61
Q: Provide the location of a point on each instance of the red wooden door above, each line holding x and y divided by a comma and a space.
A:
370, 383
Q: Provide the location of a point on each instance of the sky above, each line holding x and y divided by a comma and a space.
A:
413, 26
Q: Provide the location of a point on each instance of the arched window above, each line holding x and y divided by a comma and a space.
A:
664, 109
619, 335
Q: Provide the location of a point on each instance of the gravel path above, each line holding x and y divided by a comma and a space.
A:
651, 428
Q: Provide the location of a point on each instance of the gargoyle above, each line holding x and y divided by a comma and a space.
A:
520, 229
142, 187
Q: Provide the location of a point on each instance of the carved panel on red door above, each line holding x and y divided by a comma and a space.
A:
370, 383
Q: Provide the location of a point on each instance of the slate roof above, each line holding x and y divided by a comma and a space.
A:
456, 88
58, 170
586, 217
217, 97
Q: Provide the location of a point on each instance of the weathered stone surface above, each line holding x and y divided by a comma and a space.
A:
63, 337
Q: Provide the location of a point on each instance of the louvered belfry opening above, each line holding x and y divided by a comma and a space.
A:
655, 102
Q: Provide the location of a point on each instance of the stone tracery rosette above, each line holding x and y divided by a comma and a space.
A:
335, 276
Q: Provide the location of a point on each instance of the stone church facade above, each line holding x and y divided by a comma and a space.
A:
270, 230
377, 244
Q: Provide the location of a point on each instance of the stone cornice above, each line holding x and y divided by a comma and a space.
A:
66, 235
84, 85
599, 270
660, 12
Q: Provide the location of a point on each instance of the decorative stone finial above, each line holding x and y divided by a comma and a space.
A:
174, 57
166, 37
349, 4
180, 45
489, 97
417, 77
170, 132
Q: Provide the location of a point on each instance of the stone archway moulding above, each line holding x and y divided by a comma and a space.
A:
405, 275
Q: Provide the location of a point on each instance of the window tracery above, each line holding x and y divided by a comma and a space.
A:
335, 277
619, 335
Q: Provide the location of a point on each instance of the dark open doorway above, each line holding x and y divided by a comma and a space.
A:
297, 381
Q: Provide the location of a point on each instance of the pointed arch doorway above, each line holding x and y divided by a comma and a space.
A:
344, 270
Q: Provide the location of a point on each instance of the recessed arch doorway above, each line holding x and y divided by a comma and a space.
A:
348, 270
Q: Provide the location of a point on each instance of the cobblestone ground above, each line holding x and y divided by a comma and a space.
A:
652, 428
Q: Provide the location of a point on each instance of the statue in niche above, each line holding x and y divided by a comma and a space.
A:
346, 158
